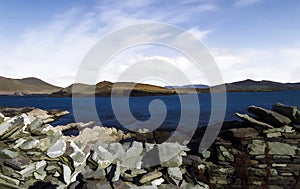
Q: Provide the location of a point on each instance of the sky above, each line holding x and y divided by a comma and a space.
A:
249, 39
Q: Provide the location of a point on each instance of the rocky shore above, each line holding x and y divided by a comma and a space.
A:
262, 151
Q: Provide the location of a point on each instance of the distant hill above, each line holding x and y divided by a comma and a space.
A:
104, 88
196, 86
30, 86
26, 86
262, 86
240, 86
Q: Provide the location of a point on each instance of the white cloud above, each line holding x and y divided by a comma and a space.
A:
279, 64
53, 51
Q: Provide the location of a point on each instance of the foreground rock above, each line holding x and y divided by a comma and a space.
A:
290, 111
260, 152
36, 155
269, 116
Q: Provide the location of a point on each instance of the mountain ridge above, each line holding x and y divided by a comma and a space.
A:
25, 86
32, 85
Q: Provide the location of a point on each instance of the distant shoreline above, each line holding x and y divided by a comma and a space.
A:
146, 95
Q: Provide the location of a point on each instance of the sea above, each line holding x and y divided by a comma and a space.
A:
139, 107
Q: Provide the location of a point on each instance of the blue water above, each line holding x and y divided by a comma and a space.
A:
139, 106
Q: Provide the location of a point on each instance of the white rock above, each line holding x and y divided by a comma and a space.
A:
117, 172
158, 182
67, 174
19, 142
30, 144
58, 149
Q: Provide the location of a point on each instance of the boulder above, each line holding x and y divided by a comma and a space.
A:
273, 118
256, 124
290, 111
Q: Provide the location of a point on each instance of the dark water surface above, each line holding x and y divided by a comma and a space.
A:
139, 106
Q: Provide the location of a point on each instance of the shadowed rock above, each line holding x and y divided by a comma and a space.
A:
273, 118
290, 111
256, 124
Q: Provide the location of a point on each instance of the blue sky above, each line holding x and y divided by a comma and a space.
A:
257, 39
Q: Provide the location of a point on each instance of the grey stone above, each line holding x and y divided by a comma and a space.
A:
119, 185
117, 150
40, 114
30, 144
150, 176
284, 129
175, 173
135, 149
244, 132
224, 153
279, 148
18, 163
273, 135
206, 154
35, 127
28, 170
170, 154
270, 117
10, 180
94, 184
257, 147
68, 176
58, 149
78, 156
98, 174
10, 126
290, 111
9, 153
257, 124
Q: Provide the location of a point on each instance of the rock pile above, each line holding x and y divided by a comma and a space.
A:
260, 152
36, 155
263, 152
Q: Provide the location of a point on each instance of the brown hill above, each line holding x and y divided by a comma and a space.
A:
104, 88
27, 86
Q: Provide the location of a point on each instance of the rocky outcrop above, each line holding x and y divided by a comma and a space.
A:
47, 116
36, 155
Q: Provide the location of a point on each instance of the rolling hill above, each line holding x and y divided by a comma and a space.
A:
104, 88
258, 86
26, 86
31, 85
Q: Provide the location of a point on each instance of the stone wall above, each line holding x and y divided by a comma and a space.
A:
263, 152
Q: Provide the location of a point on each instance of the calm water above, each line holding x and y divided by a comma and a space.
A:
139, 106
